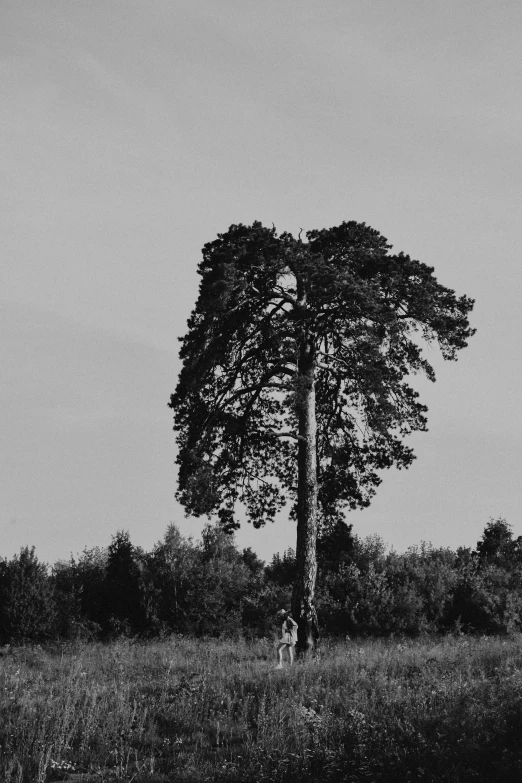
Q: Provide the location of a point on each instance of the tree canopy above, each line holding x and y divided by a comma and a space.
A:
270, 304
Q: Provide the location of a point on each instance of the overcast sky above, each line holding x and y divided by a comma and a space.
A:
133, 131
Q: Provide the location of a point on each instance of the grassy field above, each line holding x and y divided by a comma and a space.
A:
189, 710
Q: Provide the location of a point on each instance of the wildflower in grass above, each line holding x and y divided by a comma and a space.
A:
62, 766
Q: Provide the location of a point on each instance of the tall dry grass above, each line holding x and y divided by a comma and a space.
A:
193, 710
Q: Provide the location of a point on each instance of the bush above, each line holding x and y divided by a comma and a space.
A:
209, 588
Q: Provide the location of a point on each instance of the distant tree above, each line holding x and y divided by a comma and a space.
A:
336, 545
172, 565
71, 623
498, 545
208, 587
123, 586
293, 384
282, 569
89, 583
252, 561
219, 585
27, 605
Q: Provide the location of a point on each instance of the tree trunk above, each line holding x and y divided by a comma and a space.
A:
303, 606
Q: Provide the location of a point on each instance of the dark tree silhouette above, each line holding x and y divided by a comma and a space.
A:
497, 544
122, 584
27, 601
293, 383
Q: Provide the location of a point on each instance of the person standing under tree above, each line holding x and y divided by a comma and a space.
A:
288, 637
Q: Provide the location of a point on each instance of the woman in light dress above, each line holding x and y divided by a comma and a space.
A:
288, 637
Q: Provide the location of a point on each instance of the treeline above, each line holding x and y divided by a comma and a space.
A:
209, 587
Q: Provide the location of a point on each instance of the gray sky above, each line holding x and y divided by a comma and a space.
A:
133, 131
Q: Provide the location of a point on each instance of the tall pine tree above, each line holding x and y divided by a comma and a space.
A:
294, 378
